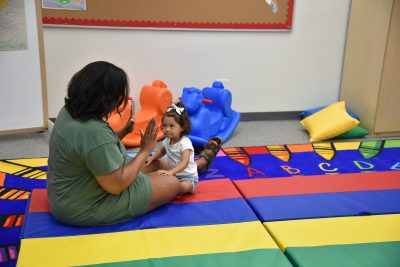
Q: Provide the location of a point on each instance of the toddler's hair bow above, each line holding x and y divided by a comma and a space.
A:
176, 108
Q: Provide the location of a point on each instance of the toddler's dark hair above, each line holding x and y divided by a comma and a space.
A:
182, 119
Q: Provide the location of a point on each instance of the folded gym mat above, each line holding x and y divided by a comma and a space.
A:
214, 225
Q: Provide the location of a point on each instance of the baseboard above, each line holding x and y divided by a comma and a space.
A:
268, 116
259, 116
50, 124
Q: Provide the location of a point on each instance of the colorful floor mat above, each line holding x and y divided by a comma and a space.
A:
17, 179
295, 164
214, 225
306, 159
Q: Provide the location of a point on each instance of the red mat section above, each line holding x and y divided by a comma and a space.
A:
205, 191
297, 185
211, 190
38, 202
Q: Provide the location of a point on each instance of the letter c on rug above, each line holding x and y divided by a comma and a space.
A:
321, 166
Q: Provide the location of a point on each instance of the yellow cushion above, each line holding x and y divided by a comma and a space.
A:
329, 122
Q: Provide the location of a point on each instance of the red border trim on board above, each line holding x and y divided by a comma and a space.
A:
161, 24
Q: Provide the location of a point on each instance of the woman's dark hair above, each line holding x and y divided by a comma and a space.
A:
96, 90
182, 119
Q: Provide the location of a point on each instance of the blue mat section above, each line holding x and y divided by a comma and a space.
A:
12, 206
9, 235
42, 224
307, 163
11, 263
277, 208
13, 181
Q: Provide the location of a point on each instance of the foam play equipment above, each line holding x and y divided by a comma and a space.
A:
154, 101
214, 227
329, 122
210, 112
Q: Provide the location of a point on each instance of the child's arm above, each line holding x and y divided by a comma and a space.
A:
160, 153
184, 163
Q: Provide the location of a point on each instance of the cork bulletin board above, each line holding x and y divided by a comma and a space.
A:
177, 14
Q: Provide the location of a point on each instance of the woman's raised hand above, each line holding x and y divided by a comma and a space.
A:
149, 138
129, 125
131, 121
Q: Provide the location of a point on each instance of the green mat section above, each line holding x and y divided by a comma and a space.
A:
392, 143
258, 257
383, 254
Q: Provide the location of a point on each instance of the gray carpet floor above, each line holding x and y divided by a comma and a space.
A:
247, 133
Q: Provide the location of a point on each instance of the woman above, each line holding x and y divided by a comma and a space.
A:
91, 180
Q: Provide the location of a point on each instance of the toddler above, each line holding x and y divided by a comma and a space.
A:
180, 161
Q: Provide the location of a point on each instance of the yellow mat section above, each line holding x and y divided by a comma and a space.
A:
24, 168
335, 231
10, 168
33, 162
143, 244
346, 145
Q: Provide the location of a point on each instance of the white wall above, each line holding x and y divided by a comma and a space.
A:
266, 71
21, 104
